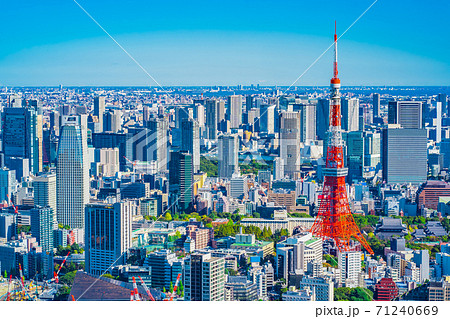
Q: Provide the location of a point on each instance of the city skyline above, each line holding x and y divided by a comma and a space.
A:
199, 44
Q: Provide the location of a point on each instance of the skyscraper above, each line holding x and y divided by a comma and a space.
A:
307, 122
290, 142
404, 155
181, 179
376, 104
42, 224
44, 189
267, 119
107, 236
228, 148
355, 155
112, 121
278, 168
190, 141
22, 135
350, 114
157, 148
99, 109
211, 119
442, 97
248, 103
406, 113
322, 118
72, 173
235, 110
7, 183
204, 278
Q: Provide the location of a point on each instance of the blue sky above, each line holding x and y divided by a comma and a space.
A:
223, 42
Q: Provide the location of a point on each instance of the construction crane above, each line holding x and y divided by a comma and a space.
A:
136, 293
14, 206
175, 287
146, 289
55, 274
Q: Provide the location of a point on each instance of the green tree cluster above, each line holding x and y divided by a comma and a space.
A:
352, 294
253, 167
209, 166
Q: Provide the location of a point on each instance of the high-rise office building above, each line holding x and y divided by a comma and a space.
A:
422, 260
211, 119
181, 178
350, 267
22, 135
322, 118
404, 155
235, 110
355, 155
44, 189
290, 142
372, 149
42, 225
7, 226
7, 183
438, 122
307, 122
442, 97
107, 236
99, 109
158, 143
204, 278
376, 104
278, 168
350, 114
190, 141
248, 103
228, 150
267, 119
406, 113
161, 263
72, 173
112, 121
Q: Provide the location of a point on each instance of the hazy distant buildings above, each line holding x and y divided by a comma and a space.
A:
72, 173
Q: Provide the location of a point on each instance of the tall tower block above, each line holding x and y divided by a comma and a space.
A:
335, 219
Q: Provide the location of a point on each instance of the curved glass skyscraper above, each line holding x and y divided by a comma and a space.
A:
72, 173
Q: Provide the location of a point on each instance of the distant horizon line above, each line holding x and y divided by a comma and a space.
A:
222, 86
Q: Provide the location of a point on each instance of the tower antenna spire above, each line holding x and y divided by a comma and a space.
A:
335, 68
334, 219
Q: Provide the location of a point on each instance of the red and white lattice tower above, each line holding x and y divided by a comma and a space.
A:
334, 219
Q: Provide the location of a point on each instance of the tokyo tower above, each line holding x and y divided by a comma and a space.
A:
335, 219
